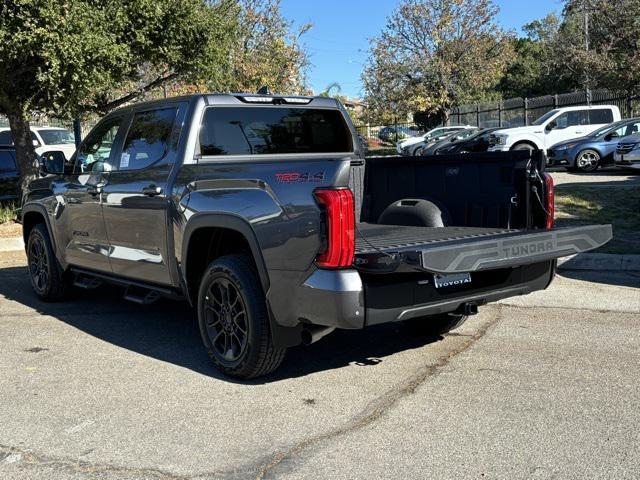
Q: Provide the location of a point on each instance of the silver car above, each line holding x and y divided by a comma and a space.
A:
628, 152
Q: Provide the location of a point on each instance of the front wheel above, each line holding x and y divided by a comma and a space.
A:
524, 146
47, 279
434, 325
233, 319
587, 161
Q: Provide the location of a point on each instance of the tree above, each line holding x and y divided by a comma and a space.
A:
612, 59
66, 57
434, 54
267, 50
534, 69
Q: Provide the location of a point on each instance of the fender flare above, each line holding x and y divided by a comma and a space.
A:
37, 208
229, 221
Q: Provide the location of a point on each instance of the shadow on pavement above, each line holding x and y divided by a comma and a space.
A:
168, 331
622, 279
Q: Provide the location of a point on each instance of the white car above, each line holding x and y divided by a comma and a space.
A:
554, 127
628, 152
45, 139
409, 146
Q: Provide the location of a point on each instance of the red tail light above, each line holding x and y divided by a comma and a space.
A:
549, 196
341, 238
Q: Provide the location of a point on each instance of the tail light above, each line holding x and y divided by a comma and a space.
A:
549, 197
340, 221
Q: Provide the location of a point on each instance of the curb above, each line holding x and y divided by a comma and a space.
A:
11, 244
601, 261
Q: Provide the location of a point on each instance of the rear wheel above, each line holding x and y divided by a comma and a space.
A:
47, 278
435, 324
233, 319
587, 161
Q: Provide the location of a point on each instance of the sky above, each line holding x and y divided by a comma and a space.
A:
338, 42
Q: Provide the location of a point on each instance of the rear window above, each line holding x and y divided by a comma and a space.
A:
600, 116
7, 161
267, 130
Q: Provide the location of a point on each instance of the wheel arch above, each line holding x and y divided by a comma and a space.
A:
202, 230
531, 143
31, 216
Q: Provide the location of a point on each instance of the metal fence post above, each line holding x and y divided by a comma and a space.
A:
526, 111
555, 101
500, 113
77, 131
477, 115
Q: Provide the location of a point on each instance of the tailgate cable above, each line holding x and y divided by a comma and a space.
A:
534, 188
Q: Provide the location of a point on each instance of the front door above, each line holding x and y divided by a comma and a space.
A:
135, 198
79, 199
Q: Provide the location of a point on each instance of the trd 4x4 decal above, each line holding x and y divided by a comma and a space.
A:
301, 177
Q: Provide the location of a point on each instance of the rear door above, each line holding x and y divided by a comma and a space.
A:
135, 198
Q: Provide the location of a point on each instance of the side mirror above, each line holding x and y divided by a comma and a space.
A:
52, 162
36, 143
550, 126
610, 136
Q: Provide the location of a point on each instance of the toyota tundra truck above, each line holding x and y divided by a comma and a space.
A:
263, 214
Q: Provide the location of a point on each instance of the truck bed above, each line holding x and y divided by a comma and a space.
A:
391, 248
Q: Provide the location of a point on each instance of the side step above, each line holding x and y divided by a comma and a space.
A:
86, 282
141, 296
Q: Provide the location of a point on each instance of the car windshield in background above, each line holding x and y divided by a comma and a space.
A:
264, 130
7, 161
545, 117
57, 137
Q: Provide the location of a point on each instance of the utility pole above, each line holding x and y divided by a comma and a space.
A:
585, 14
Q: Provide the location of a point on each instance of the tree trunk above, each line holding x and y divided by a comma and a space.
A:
25, 151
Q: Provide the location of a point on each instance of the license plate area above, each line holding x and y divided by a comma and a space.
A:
451, 280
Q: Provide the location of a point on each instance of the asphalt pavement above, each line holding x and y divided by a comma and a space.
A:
543, 386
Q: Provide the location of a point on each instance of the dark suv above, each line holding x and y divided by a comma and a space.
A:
261, 212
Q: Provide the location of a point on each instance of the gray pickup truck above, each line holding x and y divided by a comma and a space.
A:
262, 212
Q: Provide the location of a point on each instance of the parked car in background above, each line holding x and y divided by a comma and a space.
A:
555, 126
410, 145
586, 154
45, 139
9, 178
430, 148
627, 153
396, 133
477, 142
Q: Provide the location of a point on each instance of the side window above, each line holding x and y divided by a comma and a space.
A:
94, 152
6, 138
572, 119
631, 129
600, 116
148, 139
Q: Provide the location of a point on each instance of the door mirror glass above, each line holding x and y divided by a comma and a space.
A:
52, 162
611, 135
550, 126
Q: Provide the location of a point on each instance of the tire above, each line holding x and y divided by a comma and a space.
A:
233, 319
434, 325
524, 146
587, 161
418, 152
46, 276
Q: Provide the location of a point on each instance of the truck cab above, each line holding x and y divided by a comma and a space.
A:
555, 126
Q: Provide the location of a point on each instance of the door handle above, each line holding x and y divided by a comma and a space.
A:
151, 191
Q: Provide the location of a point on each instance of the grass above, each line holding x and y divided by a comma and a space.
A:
580, 205
8, 213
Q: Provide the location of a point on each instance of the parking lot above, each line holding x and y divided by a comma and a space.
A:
543, 386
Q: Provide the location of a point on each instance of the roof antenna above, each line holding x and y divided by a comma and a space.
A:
264, 90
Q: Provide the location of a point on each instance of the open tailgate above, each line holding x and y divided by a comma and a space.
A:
460, 250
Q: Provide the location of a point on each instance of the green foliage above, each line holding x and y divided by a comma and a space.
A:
8, 212
434, 54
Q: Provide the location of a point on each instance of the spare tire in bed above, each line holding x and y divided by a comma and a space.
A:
415, 213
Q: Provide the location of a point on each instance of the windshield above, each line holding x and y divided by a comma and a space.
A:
606, 129
57, 137
545, 117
